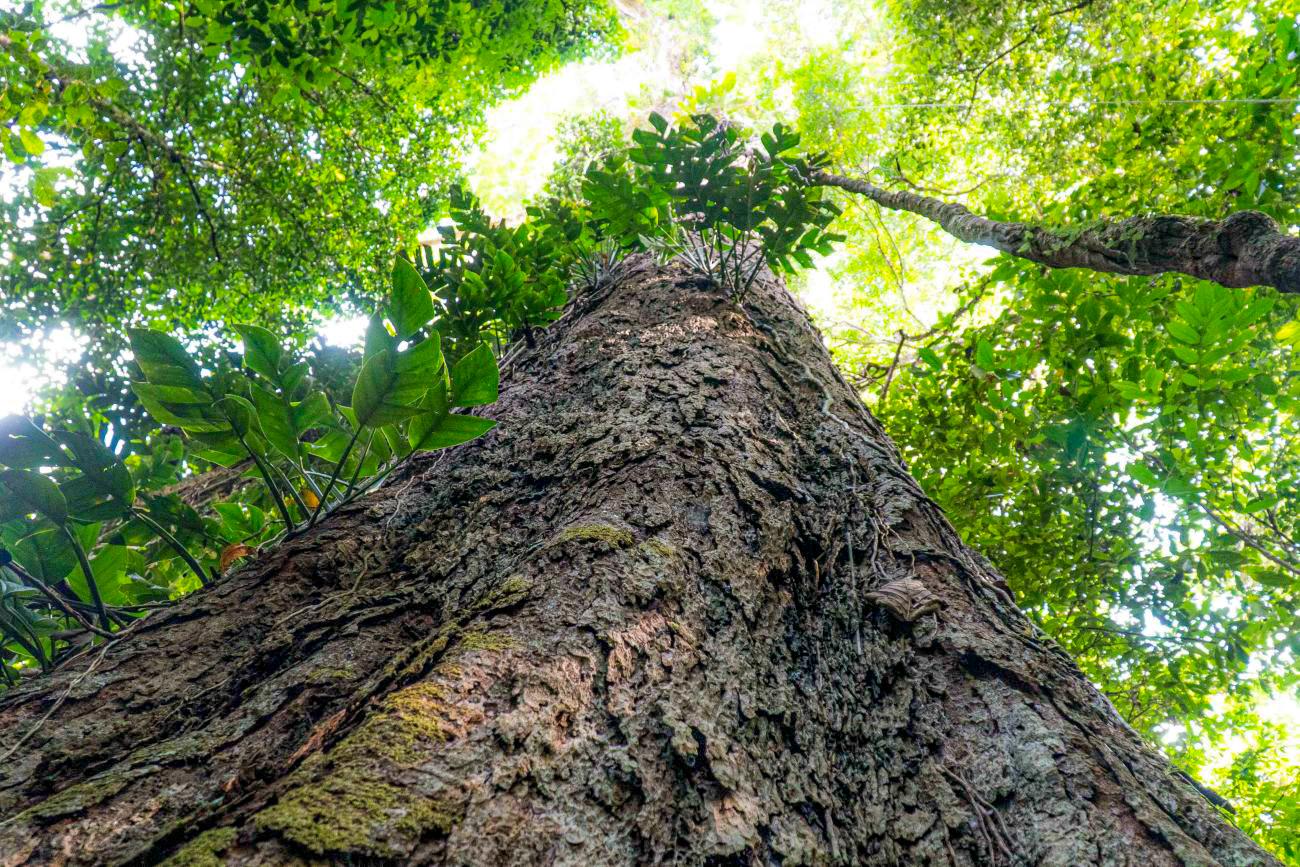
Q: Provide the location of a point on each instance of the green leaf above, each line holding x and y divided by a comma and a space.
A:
47, 554
930, 358
108, 565
36, 493
412, 304
312, 411
191, 410
1289, 334
241, 414
1184, 332
382, 395
378, 337
31, 142
163, 359
102, 471
1259, 504
262, 350
1142, 473
24, 446
984, 354
475, 378
105, 470
448, 430
275, 418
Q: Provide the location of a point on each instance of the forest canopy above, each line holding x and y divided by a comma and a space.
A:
1121, 446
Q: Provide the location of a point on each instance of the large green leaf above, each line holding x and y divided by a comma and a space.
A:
475, 378
389, 388
262, 351
312, 411
433, 432
103, 470
240, 413
33, 492
378, 337
24, 446
277, 423
192, 410
163, 359
108, 565
46, 554
412, 304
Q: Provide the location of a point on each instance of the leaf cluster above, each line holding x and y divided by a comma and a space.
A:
86, 550
728, 206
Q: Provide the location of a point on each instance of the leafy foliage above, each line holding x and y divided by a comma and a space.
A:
233, 160
725, 207
89, 535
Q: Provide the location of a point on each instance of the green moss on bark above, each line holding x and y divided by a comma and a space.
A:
204, 850
76, 798
350, 812
606, 534
363, 796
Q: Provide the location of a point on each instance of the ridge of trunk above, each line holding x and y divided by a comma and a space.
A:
685, 605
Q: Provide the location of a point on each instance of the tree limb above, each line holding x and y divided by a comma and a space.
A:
1245, 249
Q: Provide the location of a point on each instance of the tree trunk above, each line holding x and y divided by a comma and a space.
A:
684, 606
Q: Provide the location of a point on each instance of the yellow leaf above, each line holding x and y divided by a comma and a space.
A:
309, 497
1290, 333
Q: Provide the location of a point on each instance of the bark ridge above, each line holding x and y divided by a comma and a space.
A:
684, 606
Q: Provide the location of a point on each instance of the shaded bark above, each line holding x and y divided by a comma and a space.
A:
1245, 249
685, 605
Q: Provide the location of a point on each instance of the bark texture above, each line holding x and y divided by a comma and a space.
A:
684, 606
1245, 249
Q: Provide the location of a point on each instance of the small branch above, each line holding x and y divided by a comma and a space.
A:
56, 600
893, 366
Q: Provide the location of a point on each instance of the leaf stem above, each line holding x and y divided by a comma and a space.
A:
174, 543
90, 578
334, 477
266, 477
365, 453
293, 492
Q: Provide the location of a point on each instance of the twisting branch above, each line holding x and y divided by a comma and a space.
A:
1245, 249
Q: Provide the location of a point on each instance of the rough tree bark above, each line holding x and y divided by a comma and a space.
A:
684, 606
1247, 248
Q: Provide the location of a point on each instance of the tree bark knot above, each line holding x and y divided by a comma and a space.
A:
907, 599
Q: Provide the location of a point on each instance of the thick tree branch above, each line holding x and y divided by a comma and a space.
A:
1245, 249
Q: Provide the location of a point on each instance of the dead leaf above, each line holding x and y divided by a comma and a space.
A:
234, 552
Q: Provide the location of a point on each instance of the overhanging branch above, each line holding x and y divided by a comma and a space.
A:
1245, 249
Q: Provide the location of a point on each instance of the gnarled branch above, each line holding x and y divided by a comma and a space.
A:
1245, 249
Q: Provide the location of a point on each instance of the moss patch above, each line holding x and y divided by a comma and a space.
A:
657, 548
607, 534
351, 813
363, 796
75, 799
343, 804
509, 592
184, 748
326, 674
474, 639
203, 850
